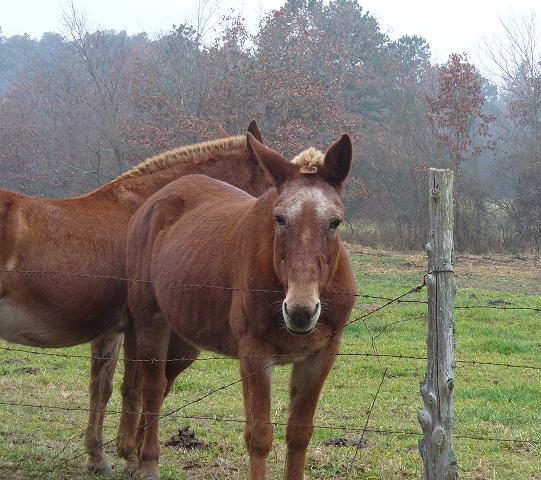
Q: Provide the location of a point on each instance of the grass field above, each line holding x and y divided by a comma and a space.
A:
489, 401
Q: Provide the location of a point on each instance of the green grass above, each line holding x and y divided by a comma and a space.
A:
489, 401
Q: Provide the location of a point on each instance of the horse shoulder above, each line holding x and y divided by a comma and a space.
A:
161, 210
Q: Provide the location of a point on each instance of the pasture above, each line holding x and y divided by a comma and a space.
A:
490, 401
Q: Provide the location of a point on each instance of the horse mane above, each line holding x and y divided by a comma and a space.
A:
190, 154
310, 160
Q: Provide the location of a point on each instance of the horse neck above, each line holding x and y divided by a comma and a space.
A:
234, 167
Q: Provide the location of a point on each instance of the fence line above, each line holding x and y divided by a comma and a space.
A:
372, 405
241, 379
299, 352
339, 354
345, 428
156, 282
251, 290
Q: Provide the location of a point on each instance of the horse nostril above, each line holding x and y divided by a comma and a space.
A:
285, 308
314, 311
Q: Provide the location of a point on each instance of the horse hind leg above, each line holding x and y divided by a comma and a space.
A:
102, 369
180, 356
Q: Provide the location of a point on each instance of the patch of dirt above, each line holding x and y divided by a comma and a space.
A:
192, 464
346, 442
186, 439
524, 448
12, 361
410, 265
224, 466
499, 302
501, 272
16, 439
29, 370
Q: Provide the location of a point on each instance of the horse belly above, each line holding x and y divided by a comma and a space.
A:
23, 325
220, 341
18, 325
204, 325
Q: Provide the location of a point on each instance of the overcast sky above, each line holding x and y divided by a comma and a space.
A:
449, 26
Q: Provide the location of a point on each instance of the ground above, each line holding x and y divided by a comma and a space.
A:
490, 401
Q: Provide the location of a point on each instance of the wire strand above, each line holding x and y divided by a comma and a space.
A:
338, 354
252, 290
345, 428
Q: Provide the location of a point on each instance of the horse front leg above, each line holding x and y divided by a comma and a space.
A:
256, 387
152, 343
307, 379
102, 369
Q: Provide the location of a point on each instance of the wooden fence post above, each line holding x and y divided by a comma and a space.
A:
437, 418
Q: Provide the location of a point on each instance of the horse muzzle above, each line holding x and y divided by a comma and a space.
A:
301, 319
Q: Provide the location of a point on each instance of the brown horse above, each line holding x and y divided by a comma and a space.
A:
200, 231
87, 235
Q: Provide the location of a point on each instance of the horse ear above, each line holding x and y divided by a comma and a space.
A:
337, 162
254, 130
277, 167
222, 132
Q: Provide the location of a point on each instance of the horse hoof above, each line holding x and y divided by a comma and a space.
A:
132, 469
149, 476
100, 466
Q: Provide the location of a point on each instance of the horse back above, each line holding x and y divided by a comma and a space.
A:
165, 209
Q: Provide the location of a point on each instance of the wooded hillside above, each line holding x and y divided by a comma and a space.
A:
78, 109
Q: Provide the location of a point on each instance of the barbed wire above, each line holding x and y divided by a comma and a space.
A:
64, 408
345, 428
157, 418
361, 439
497, 307
155, 282
338, 354
276, 358
250, 290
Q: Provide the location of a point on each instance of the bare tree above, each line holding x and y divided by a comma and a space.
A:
516, 64
206, 18
104, 57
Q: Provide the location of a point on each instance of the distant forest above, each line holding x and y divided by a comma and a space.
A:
78, 109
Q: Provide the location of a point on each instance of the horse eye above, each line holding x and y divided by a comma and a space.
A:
280, 220
335, 224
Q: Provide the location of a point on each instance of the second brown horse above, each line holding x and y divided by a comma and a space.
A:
282, 248
62, 263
